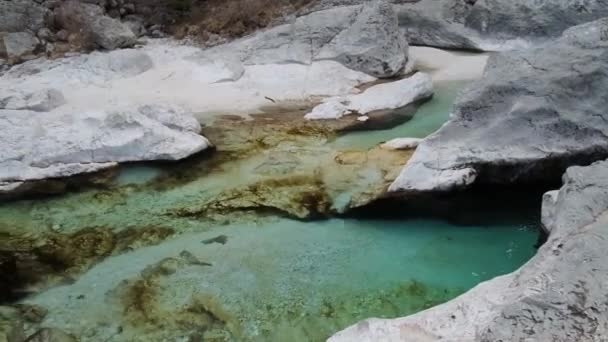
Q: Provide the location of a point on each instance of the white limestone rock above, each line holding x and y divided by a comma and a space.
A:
401, 144
383, 96
47, 145
533, 113
39, 101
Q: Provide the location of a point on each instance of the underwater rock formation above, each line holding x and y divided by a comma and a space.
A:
533, 113
559, 295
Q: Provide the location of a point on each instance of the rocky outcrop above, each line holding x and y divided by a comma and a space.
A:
486, 25
95, 28
364, 38
39, 145
532, 114
384, 96
559, 295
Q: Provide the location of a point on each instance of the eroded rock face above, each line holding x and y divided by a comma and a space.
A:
533, 113
48, 145
364, 38
95, 28
559, 295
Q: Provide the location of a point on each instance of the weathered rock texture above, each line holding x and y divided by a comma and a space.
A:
364, 38
533, 113
38, 145
487, 25
95, 28
559, 295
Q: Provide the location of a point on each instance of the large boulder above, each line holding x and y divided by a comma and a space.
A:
364, 38
533, 113
38, 145
23, 15
95, 28
559, 295
372, 44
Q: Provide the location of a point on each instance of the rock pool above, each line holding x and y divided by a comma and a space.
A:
142, 259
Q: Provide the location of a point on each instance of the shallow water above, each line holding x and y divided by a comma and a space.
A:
427, 119
284, 280
274, 279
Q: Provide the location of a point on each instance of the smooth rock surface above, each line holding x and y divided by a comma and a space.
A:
383, 96
165, 71
533, 113
559, 295
401, 144
364, 38
48, 145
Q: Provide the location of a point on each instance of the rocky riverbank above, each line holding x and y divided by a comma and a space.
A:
534, 112
556, 296
244, 132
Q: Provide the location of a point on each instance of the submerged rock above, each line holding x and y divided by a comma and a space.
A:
384, 96
559, 295
533, 113
49, 145
11, 325
51, 335
364, 38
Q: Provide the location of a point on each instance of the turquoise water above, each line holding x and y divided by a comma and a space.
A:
274, 279
427, 119
330, 274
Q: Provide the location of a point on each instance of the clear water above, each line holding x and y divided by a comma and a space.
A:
427, 119
275, 279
